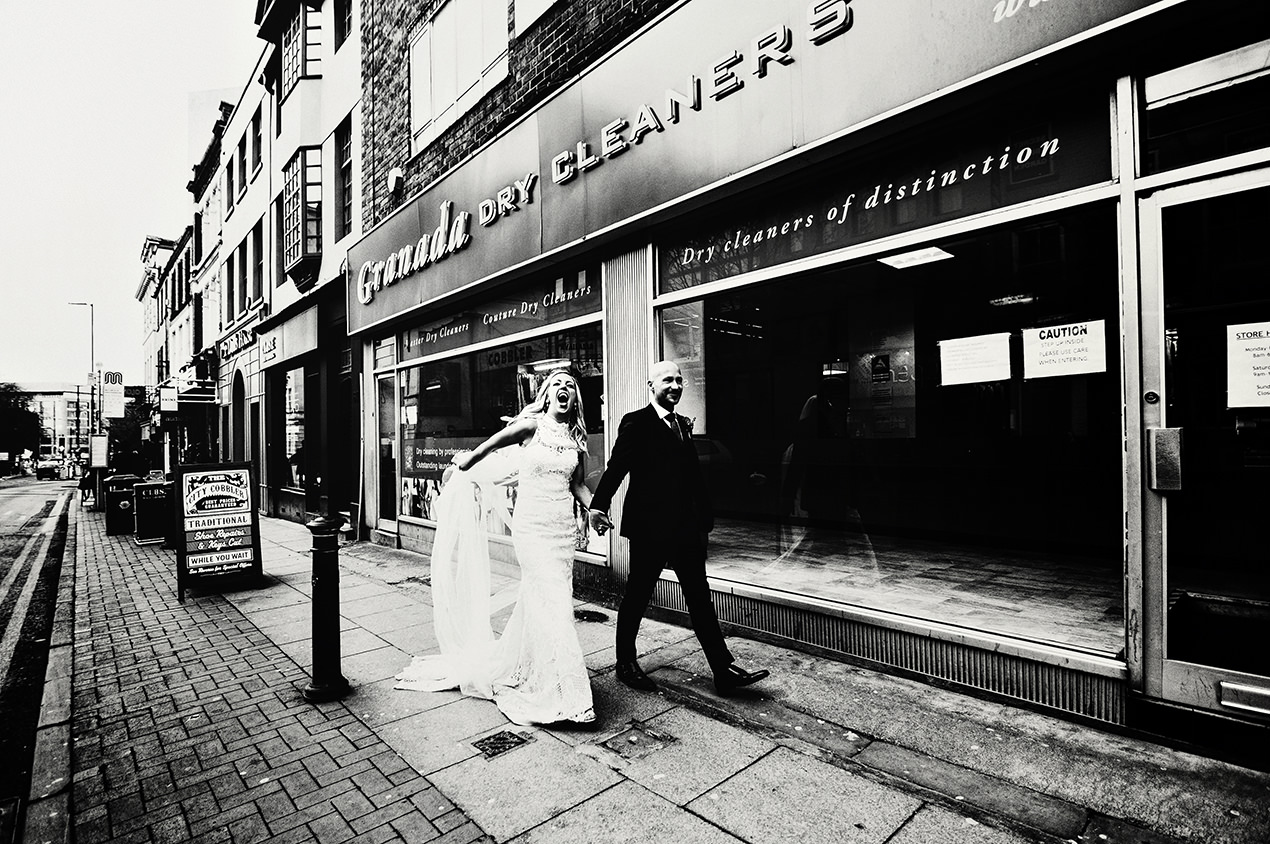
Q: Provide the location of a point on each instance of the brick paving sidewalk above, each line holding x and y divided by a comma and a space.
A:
189, 725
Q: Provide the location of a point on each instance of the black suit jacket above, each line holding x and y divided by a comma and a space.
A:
667, 497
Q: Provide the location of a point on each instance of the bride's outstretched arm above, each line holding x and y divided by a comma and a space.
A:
517, 432
578, 486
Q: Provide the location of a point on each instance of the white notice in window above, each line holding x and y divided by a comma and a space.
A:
971, 360
1248, 365
1074, 349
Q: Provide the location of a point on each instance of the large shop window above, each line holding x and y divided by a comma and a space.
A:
293, 427
454, 404
937, 434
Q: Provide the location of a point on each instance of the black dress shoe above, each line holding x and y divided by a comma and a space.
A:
734, 677
632, 675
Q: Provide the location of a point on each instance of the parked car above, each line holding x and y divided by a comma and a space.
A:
48, 468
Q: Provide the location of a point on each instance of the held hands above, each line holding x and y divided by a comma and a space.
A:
600, 522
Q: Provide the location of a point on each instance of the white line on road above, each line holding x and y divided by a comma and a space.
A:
13, 631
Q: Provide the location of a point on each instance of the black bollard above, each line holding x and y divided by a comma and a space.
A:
328, 683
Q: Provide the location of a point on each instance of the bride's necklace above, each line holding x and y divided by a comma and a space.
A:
557, 434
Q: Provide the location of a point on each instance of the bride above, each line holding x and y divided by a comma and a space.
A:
534, 671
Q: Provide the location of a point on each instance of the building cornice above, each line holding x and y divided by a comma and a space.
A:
205, 171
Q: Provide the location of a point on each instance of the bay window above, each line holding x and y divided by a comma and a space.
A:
302, 213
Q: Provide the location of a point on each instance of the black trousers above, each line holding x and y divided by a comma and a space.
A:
687, 559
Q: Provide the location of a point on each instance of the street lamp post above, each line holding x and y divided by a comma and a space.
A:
92, 366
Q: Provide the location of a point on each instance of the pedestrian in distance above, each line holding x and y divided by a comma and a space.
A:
534, 671
667, 518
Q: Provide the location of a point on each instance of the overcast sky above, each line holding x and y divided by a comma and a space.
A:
106, 107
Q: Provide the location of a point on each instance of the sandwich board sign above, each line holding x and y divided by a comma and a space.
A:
218, 527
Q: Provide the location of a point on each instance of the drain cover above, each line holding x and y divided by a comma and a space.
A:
501, 742
638, 742
590, 615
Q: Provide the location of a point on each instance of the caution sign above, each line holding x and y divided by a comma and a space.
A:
218, 525
1079, 348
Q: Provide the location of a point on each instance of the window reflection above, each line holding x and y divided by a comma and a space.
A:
293, 427
852, 457
454, 404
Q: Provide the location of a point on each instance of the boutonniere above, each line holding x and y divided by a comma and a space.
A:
692, 423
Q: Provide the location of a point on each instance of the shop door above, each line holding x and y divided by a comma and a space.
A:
386, 388
1206, 414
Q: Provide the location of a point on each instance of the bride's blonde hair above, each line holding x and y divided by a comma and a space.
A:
577, 416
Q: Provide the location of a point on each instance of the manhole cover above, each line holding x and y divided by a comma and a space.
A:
590, 615
501, 742
638, 741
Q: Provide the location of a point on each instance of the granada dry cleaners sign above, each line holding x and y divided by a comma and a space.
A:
731, 85
825, 20
452, 234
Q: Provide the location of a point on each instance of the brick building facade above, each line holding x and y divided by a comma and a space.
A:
556, 47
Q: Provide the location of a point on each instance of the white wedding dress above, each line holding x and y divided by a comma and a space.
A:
534, 671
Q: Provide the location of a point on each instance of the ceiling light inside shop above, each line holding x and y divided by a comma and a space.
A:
917, 256
1013, 299
837, 367
548, 365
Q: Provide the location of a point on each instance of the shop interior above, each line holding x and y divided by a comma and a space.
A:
938, 437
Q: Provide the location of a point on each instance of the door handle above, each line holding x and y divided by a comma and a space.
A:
1164, 460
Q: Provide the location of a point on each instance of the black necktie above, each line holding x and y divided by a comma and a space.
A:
674, 426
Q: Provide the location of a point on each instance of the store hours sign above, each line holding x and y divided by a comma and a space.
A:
1248, 365
218, 526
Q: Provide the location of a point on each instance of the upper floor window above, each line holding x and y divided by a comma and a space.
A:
455, 60
231, 298
255, 140
242, 165
302, 206
244, 293
230, 193
301, 48
529, 11
343, 21
344, 178
279, 237
258, 261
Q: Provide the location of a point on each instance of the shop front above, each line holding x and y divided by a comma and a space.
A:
196, 437
239, 391
446, 385
309, 408
1206, 429
941, 358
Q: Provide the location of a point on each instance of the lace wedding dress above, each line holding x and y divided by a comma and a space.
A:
534, 671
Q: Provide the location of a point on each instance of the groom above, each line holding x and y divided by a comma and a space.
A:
667, 518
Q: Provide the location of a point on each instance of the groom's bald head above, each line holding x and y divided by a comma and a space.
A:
666, 383
662, 367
